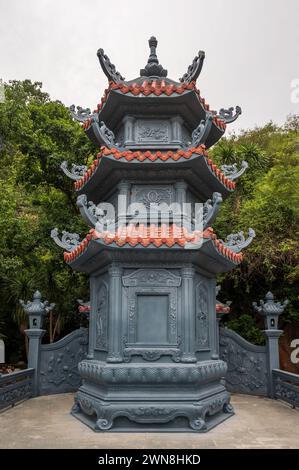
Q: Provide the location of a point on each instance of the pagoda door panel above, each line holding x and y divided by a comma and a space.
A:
152, 313
151, 316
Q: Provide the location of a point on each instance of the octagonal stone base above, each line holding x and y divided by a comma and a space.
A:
174, 398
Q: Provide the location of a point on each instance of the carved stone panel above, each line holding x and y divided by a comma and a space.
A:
152, 131
102, 317
152, 195
246, 362
152, 277
59, 363
202, 317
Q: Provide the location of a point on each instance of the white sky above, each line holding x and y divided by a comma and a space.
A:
252, 48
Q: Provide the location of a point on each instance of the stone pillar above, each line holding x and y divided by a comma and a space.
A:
271, 310
123, 201
181, 199
188, 315
35, 339
115, 312
92, 317
129, 130
176, 130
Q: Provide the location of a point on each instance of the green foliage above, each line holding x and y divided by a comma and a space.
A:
36, 136
245, 326
266, 199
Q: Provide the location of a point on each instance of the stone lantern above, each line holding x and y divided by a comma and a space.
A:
271, 310
36, 311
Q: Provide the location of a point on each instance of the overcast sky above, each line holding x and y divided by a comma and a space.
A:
252, 48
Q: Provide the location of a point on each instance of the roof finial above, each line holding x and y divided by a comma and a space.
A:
153, 68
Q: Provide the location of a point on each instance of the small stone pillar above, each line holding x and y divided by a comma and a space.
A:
114, 352
188, 354
271, 310
36, 312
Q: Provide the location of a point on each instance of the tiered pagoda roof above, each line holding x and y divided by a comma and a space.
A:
195, 127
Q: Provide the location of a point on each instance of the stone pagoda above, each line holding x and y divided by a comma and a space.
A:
152, 362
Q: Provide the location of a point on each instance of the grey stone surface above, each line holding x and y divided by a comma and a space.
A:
45, 422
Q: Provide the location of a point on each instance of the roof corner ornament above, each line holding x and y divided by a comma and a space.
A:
103, 134
108, 68
81, 114
89, 211
211, 208
232, 172
228, 114
76, 172
153, 68
194, 69
99, 216
208, 211
68, 241
236, 241
201, 132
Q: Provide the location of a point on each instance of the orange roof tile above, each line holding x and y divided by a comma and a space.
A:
156, 87
152, 235
129, 155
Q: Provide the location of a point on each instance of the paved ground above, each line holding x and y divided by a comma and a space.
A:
45, 422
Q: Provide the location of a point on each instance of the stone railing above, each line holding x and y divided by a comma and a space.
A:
247, 370
286, 387
15, 387
58, 363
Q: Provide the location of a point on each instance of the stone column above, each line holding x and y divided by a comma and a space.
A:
92, 317
176, 130
35, 338
188, 315
181, 199
129, 130
123, 201
115, 315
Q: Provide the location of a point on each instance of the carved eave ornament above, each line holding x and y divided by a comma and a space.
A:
210, 210
76, 172
194, 69
68, 241
108, 68
81, 114
236, 242
232, 172
228, 114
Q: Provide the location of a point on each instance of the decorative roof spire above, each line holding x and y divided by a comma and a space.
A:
153, 68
